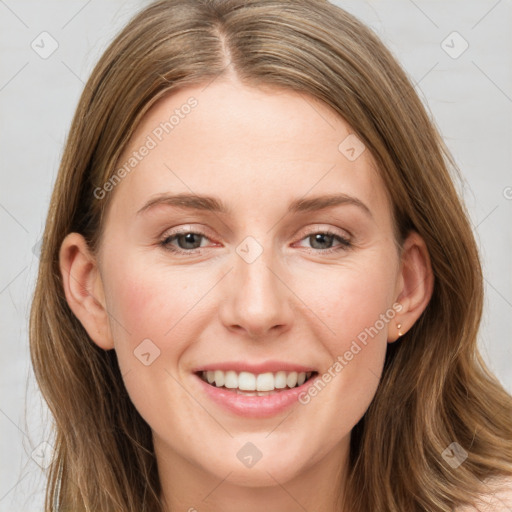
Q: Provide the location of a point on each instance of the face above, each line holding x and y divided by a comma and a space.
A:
259, 295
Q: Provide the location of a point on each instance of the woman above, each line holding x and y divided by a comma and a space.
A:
197, 343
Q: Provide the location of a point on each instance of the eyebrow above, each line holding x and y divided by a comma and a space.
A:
214, 204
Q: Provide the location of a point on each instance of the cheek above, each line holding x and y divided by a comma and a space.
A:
355, 300
148, 317
146, 300
357, 306
150, 312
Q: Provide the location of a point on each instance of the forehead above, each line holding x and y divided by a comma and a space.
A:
249, 145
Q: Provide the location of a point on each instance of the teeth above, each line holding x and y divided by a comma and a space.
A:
291, 379
265, 382
247, 393
219, 378
280, 380
231, 380
247, 383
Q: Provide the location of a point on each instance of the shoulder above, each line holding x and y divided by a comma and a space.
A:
498, 499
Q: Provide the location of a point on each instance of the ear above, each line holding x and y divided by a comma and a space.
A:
415, 284
84, 289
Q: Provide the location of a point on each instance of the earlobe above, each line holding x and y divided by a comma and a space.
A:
83, 289
415, 284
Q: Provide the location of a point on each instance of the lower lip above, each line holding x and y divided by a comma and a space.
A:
254, 406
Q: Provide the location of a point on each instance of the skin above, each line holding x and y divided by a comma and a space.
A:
257, 150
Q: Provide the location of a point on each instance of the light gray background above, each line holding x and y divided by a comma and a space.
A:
470, 98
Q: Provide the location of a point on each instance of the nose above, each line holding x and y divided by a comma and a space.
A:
257, 300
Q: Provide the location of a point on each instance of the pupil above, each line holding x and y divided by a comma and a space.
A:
320, 237
189, 239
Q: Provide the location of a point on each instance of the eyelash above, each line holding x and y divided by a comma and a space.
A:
345, 243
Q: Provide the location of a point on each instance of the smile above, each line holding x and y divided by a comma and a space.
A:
251, 384
254, 390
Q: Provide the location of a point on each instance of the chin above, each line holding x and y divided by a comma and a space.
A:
258, 463
261, 474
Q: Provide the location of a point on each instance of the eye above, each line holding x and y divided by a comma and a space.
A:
322, 241
187, 241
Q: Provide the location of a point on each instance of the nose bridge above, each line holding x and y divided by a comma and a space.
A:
257, 299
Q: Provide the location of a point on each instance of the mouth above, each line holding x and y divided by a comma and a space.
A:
254, 390
255, 384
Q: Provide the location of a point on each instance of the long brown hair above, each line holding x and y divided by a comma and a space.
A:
435, 389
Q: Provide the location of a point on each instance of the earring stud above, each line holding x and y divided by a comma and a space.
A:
399, 326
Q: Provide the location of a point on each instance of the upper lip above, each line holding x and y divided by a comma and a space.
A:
256, 368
